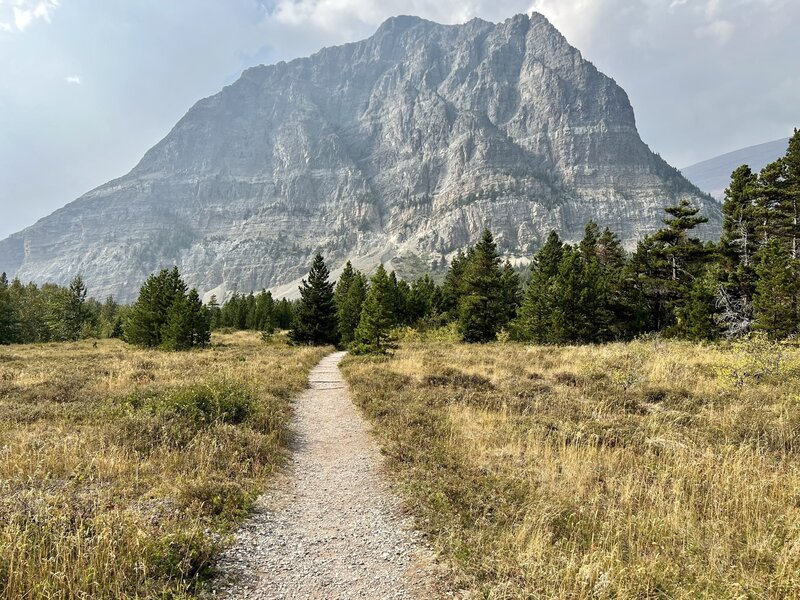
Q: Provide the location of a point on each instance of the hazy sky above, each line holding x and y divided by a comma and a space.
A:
87, 86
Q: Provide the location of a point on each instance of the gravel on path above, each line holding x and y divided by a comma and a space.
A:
330, 527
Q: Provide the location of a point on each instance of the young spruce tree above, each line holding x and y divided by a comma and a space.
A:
315, 321
374, 331
481, 312
351, 290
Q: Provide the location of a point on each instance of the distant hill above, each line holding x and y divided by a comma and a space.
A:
714, 174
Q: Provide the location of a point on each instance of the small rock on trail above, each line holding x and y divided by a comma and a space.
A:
329, 527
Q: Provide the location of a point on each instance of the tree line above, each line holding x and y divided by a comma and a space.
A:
51, 313
594, 291
590, 292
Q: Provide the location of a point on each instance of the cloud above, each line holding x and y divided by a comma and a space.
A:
73, 79
25, 12
720, 31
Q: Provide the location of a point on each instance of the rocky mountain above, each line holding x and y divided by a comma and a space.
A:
399, 148
714, 175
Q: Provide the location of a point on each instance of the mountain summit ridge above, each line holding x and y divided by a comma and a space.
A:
399, 148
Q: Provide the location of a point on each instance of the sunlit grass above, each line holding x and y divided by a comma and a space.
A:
121, 469
649, 469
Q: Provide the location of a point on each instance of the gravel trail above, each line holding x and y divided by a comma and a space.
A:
329, 527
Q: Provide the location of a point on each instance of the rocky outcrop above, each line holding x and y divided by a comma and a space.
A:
399, 148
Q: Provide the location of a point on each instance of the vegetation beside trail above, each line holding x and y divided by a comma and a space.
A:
121, 469
648, 469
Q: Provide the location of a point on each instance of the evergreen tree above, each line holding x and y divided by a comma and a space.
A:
769, 200
697, 317
791, 194
400, 293
264, 313
423, 299
374, 331
75, 314
8, 315
775, 298
199, 320
315, 319
284, 314
149, 315
215, 312
511, 293
675, 260
534, 317
452, 288
610, 252
739, 218
481, 311
351, 291
176, 333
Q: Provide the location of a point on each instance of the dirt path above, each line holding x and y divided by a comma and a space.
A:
330, 528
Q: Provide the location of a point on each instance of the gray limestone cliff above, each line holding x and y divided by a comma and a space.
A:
399, 148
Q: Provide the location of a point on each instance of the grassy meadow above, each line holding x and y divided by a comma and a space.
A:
121, 469
652, 469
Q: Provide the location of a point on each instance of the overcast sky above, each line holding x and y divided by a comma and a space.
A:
87, 86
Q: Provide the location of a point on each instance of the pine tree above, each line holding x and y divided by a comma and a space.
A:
374, 331
769, 199
149, 314
697, 317
264, 313
315, 319
575, 297
8, 315
75, 314
400, 293
423, 299
215, 312
739, 217
791, 194
176, 333
610, 252
775, 298
534, 318
199, 320
284, 314
351, 291
452, 288
674, 261
511, 293
481, 311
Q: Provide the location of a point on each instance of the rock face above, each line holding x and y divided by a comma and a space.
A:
399, 148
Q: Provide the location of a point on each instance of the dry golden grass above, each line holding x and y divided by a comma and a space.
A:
122, 469
645, 470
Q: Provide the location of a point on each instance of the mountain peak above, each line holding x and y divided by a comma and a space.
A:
397, 149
